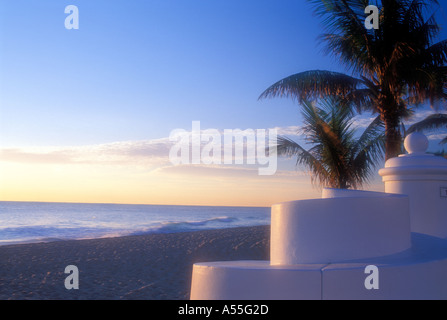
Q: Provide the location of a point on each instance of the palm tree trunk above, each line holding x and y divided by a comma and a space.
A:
390, 114
393, 138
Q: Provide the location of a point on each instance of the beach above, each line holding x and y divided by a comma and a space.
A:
143, 267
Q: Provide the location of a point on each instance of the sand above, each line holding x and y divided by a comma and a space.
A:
155, 266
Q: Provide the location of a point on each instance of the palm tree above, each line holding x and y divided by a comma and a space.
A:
431, 122
337, 158
391, 68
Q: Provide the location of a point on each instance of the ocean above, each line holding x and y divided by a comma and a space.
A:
27, 222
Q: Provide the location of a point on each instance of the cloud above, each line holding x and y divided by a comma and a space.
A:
362, 122
289, 131
225, 171
436, 137
205, 170
151, 152
421, 115
23, 156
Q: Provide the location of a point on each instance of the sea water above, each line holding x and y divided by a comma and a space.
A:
26, 222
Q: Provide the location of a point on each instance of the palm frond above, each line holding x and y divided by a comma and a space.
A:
313, 84
393, 67
372, 135
370, 152
289, 148
434, 121
336, 158
438, 52
346, 36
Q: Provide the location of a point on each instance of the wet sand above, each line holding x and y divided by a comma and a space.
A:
146, 267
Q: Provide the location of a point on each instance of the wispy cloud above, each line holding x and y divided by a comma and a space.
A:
421, 115
150, 154
361, 122
226, 171
155, 151
140, 172
437, 137
289, 131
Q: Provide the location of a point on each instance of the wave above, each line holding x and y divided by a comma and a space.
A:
185, 226
40, 233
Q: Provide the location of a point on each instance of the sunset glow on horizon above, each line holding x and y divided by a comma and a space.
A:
86, 114
108, 174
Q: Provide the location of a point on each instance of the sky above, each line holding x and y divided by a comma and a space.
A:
86, 114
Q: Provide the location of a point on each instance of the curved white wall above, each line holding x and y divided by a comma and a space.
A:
320, 247
339, 229
348, 193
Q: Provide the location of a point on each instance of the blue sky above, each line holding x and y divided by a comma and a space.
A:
132, 73
138, 69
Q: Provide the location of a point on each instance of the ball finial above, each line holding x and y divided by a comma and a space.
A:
416, 143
